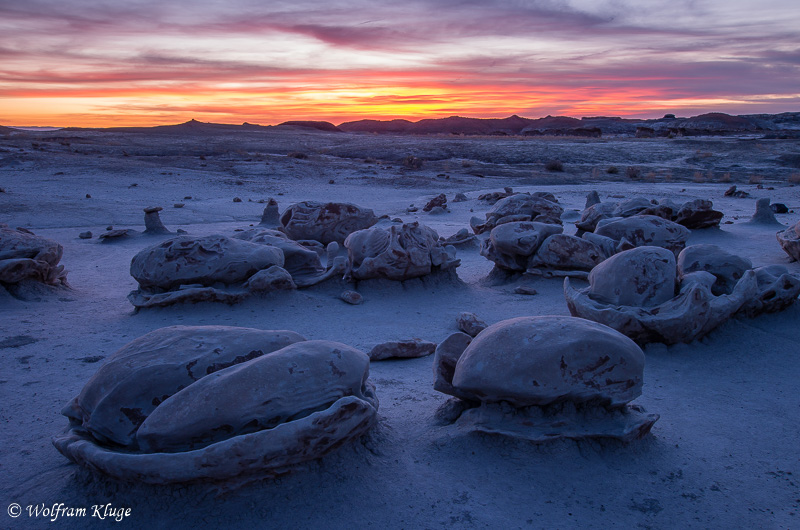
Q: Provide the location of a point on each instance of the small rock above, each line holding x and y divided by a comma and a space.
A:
85, 235
237, 199
351, 297
110, 227
153, 209
470, 324
412, 209
460, 197
779, 207
525, 290
402, 349
733, 192
331, 181
437, 210
88, 196
438, 201
182, 231
187, 198
272, 279
178, 205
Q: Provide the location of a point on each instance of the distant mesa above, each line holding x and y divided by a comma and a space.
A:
784, 125
318, 125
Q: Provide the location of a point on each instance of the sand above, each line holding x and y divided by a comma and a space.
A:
723, 454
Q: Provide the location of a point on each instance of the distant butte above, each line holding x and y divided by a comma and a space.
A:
784, 125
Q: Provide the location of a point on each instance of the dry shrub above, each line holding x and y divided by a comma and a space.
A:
633, 172
668, 176
699, 177
755, 179
794, 178
612, 170
554, 165
412, 162
650, 177
726, 177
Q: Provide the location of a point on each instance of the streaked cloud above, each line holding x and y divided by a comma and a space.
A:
145, 62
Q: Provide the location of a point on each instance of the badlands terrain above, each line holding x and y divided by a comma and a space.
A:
724, 453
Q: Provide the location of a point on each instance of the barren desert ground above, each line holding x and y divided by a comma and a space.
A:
724, 453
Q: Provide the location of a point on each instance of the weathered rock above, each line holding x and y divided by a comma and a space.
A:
470, 324
26, 256
438, 201
201, 260
460, 197
116, 234
173, 400
299, 258
270, 217
629, 291
520, 372
764, 214
641, 277
351, 297
511, 245
402, 349
698, 214
592, 198
644, 230
325, 222
397, 253
593, 214
274, 278
437, 210
462, 238
733, 192
564, 252
152, 221
85, 235
539, 207
789, 240
727, 268
779, 207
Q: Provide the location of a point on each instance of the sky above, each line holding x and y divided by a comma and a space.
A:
152, 62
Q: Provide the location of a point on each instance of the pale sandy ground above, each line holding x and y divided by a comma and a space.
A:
723, 455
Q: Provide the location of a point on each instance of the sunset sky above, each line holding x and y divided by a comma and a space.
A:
146, 62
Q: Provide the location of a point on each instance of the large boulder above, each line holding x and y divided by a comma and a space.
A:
216, 403
397, 253
26, 256
545, 377
325, 222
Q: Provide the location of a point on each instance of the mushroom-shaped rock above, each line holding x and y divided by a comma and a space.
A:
634, 293
644, 230
270, 217
325, 222
789, 240
26, 256
152, 222
764, 214
185, 404
547, 377
397, 253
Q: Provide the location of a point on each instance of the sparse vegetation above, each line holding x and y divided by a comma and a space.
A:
726, 177
755, 179
612, 170
554, 165
794, 178
633, 172
699, 177
412, 162
298, 155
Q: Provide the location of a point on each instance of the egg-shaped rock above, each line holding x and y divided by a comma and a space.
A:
542, 360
